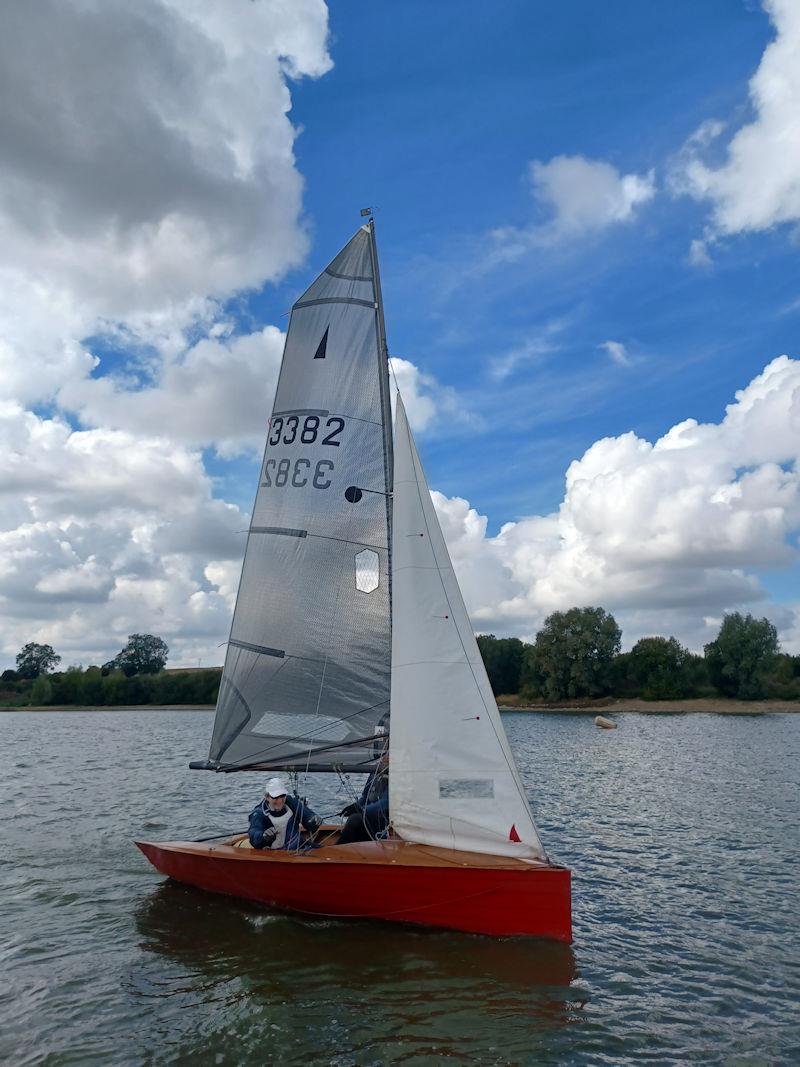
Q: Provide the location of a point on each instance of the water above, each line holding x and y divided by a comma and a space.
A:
682, 833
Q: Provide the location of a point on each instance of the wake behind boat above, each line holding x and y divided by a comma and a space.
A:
349, 623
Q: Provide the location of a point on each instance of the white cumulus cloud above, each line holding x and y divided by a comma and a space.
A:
757, 186
147, 172
588, 194
666, 535
146, 164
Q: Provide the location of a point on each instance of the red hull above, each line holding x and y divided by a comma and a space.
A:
389, 880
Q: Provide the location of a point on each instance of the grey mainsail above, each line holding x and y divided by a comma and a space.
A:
307, 671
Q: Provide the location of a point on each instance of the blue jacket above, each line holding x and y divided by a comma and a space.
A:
260, 820
374, 799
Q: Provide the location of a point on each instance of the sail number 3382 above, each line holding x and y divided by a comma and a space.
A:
307, 431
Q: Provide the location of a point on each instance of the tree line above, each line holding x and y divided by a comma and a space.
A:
577, 654
135, 675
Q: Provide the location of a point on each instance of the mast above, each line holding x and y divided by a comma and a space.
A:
386, 403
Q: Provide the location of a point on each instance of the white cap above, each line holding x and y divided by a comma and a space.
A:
275, 787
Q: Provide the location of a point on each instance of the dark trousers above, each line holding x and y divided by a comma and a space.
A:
361, 827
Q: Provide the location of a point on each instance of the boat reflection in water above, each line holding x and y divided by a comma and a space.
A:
431, 992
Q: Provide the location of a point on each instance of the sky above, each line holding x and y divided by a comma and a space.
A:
588, 223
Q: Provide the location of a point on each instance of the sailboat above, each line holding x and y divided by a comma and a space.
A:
349, 627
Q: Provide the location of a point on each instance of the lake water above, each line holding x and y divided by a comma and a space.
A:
682, 833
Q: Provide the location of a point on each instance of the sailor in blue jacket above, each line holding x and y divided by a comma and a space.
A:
369, 815
276, 822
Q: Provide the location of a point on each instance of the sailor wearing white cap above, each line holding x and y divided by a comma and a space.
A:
277, 821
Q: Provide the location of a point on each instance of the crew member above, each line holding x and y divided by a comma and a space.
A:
277, 821
369, 815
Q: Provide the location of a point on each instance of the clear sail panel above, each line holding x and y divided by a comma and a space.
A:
307, 671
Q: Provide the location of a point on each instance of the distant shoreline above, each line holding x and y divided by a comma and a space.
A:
701, 705
110, 707
705, 705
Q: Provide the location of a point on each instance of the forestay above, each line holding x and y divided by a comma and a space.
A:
307, 674
453, 779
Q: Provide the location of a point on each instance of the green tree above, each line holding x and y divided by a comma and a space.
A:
67, 686
573, 655
661, 668
502, 658
114, 688
742, 656
91, 687
143, 654
41, 691
34, 660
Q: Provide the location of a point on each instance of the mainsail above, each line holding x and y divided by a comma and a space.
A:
307, 671
453, 779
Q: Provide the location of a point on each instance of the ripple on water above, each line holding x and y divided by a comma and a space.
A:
681, 833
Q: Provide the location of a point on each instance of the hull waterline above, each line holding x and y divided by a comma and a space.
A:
390, 880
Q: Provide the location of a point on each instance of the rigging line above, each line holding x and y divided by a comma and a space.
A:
260, 765
334, 618
347, 541
323, 412
330, 726
316, 710
305, 737
386, 401
511, 768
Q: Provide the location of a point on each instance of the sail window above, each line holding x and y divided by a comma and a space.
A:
367, 571
309, 728
466, 788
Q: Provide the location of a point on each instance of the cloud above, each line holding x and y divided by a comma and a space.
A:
531, 351
665, 535
587, 195
216, 392
578, 198
758, 184
147, 173
699, 254
146, 165
426, 400
617, 353
99, 537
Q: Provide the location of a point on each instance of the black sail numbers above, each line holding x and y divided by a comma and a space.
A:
292, 431
295, 429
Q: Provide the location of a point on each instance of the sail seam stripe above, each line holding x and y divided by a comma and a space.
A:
300, 411
347, 277
336, 300
281, 530
261, 649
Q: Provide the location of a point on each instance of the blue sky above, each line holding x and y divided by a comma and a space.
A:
587, 220
435, 118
